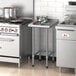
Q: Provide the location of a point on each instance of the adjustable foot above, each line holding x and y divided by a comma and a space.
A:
46, 66
33, 65
40, 59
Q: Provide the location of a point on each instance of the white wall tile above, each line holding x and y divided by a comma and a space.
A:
51, 8
37, 0
51, 4
44, 3
73, 0
51, 0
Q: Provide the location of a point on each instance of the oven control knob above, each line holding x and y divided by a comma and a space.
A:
15, 30
6, 29
2, 29
9, 30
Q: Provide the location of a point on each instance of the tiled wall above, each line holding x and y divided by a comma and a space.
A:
51, 8
26, 6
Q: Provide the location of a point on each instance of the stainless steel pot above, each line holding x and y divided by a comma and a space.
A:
9, 12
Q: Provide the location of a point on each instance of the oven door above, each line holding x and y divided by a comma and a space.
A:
9, 46
66, 53
66, 47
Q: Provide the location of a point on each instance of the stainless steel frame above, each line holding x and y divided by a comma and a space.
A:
33, 47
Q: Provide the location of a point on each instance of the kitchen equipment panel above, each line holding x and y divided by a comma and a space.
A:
66, 53
66, 34
66, 46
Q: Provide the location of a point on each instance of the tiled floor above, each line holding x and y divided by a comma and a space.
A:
9, 69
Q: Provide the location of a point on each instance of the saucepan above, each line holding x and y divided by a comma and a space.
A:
9, 12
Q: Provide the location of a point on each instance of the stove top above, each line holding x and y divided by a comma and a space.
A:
15, 21
68, 23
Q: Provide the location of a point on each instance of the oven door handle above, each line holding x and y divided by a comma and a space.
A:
8, 34
6, 39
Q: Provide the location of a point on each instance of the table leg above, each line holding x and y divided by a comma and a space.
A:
75, 71
19, 64
46, 48
39, 44
60, 69
33, 45
53, 59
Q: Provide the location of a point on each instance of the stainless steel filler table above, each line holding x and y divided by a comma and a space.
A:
45, 26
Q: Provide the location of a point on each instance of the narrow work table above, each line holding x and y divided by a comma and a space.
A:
46, 26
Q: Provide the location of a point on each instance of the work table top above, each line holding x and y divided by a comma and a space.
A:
52, 22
